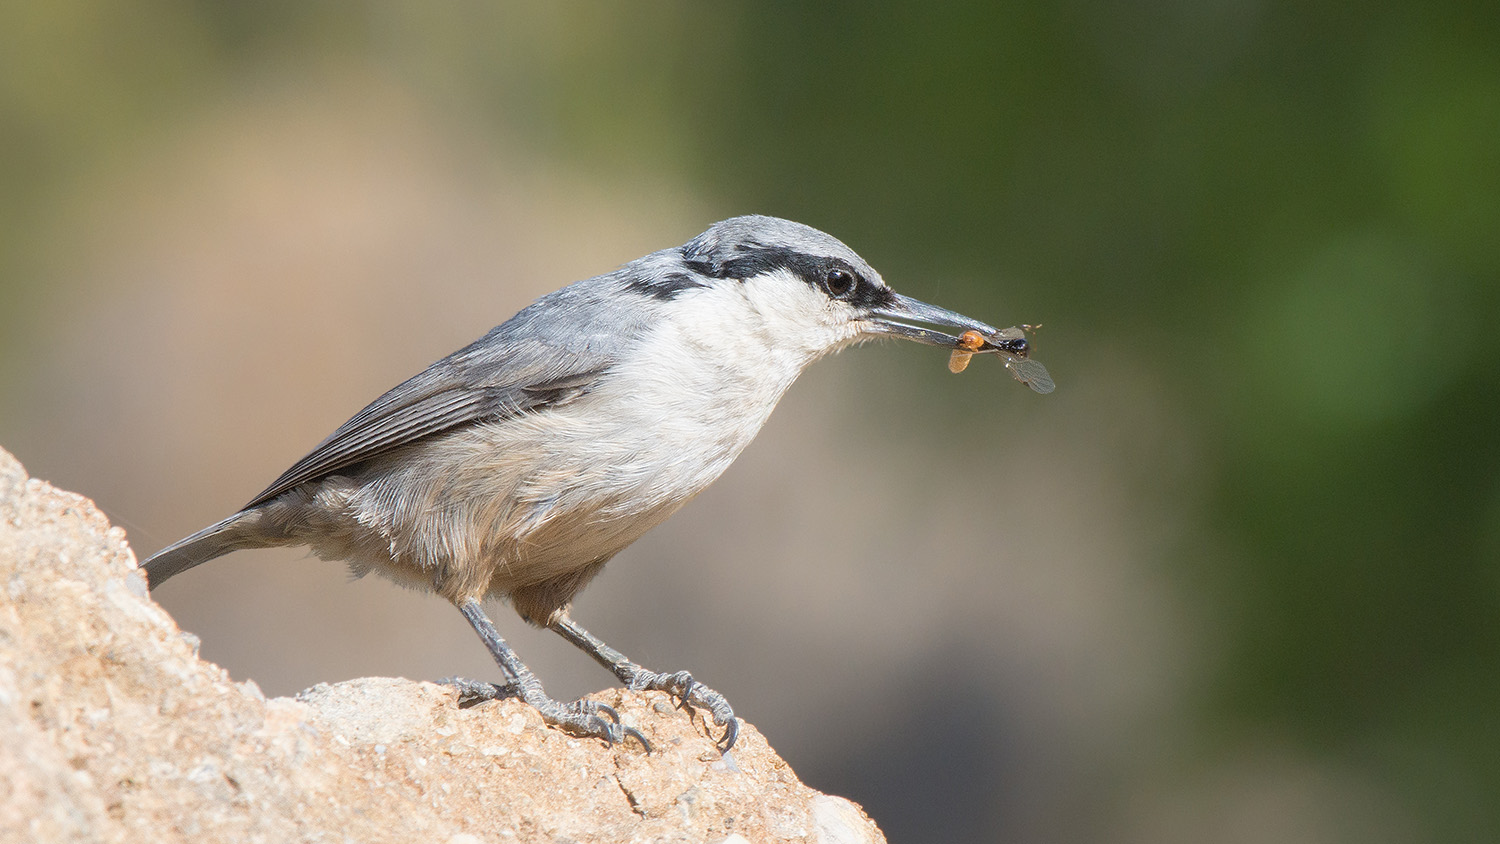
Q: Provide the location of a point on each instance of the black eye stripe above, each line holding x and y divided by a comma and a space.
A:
753, 260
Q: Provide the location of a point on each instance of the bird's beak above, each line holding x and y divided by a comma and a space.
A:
892, 320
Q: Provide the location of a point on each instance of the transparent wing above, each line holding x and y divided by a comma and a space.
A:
1031, 373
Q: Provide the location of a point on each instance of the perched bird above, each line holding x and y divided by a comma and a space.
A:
517, 466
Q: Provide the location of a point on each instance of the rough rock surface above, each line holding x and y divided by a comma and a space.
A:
112, 729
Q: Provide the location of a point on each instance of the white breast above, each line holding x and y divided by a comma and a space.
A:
705, 381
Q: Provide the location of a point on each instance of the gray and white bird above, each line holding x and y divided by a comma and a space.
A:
517, 466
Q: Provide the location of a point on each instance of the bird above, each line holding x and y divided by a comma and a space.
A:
516, 467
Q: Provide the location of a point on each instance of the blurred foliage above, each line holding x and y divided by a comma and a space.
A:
1289, 209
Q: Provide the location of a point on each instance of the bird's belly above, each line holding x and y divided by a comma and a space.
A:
499, 506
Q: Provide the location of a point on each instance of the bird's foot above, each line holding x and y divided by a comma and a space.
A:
587, 718
474, 692
690, 694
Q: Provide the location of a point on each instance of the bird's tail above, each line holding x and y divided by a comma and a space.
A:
213, 541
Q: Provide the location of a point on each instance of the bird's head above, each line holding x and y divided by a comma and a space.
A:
812, 290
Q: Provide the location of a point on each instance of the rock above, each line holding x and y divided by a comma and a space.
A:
112, 729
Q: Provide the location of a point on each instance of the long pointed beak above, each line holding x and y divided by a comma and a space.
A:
893, 320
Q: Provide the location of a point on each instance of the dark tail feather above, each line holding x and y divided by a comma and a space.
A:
213, 541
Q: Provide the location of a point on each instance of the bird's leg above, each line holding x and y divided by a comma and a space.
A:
681, 684
582, 717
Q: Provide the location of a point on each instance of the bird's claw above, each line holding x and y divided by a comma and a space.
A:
590, 719
632, 732
598, 708
587, 718
692, 695
731, 732
687, 691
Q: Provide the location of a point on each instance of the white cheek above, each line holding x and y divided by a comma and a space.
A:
745, 341
796, 316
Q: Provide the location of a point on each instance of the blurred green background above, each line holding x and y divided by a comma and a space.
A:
1237, 580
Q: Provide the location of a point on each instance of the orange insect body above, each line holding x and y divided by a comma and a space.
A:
967, 343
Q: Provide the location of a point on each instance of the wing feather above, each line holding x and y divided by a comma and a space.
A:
419, 408
549, 354
460, 389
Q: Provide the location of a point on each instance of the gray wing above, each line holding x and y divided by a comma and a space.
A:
550, 353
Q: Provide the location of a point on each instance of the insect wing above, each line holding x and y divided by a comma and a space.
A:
1031, 373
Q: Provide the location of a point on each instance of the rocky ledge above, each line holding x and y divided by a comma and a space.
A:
112, 729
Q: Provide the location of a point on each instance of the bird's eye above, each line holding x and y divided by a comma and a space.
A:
840, 282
